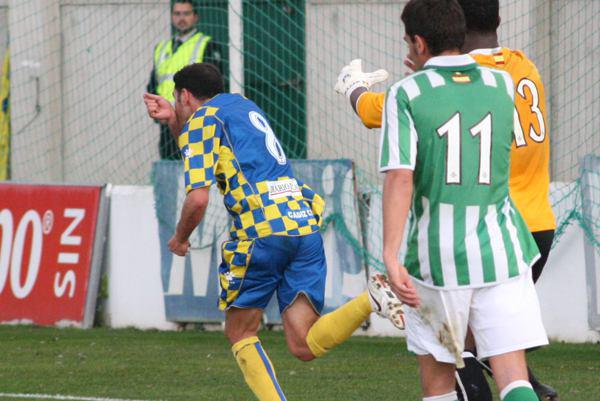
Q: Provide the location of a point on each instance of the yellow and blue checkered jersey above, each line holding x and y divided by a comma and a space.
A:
228, 140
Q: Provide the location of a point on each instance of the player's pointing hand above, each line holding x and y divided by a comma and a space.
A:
159, 108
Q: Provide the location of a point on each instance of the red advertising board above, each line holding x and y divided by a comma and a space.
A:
47, 237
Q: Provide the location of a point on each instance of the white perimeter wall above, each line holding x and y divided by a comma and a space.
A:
563, 290
135, 296
135, 290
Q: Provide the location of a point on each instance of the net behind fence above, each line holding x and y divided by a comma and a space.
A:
78, 71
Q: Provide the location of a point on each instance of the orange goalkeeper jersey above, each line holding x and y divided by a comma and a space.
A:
530, 156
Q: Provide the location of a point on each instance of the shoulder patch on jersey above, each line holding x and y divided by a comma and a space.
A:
460, 78
499, 58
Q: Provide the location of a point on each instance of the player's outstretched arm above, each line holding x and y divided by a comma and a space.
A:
397, 198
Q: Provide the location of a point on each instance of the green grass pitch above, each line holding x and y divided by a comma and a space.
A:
196, 365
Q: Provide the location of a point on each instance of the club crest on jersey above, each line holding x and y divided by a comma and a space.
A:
461, 78
283, 188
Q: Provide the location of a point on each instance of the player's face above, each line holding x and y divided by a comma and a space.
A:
183, 17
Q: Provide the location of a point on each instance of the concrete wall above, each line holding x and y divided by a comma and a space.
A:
3, 27
36, 120
575, 89
337, 32
563, 290
105, 72
135, 290
88, 62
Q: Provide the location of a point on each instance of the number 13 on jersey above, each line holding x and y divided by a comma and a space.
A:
524, 86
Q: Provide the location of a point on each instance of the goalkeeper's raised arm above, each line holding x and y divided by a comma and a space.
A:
355, 84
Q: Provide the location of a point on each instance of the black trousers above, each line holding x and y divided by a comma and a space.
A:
543, 239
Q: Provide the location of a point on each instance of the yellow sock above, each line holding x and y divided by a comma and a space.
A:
334, 328
257, 369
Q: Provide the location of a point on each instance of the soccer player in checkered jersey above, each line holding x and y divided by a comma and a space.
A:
275, 243
529, 180
445, 150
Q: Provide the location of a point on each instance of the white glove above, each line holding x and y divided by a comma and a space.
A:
352, 77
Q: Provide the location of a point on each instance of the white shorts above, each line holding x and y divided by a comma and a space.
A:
503, 318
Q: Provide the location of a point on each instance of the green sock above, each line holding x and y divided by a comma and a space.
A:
519, 390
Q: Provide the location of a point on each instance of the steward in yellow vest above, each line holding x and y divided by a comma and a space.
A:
187, 46
167, 62
5, 118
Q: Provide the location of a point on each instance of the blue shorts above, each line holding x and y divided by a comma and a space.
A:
252, 270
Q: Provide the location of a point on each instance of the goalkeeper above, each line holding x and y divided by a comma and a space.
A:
275, 242
529, 180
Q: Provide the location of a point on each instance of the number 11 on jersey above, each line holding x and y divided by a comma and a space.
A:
452, 129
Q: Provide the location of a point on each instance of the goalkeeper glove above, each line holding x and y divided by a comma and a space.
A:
352, 77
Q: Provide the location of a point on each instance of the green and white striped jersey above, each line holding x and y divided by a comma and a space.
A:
452, 123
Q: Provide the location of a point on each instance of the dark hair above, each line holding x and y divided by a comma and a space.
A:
190, 2
481, 15
440, 22
203, 80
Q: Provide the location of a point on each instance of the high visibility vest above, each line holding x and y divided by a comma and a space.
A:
166, 64
4, 117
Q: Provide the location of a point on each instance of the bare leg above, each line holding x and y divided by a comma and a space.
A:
242, 323
297, 321
508, 368
437, 378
